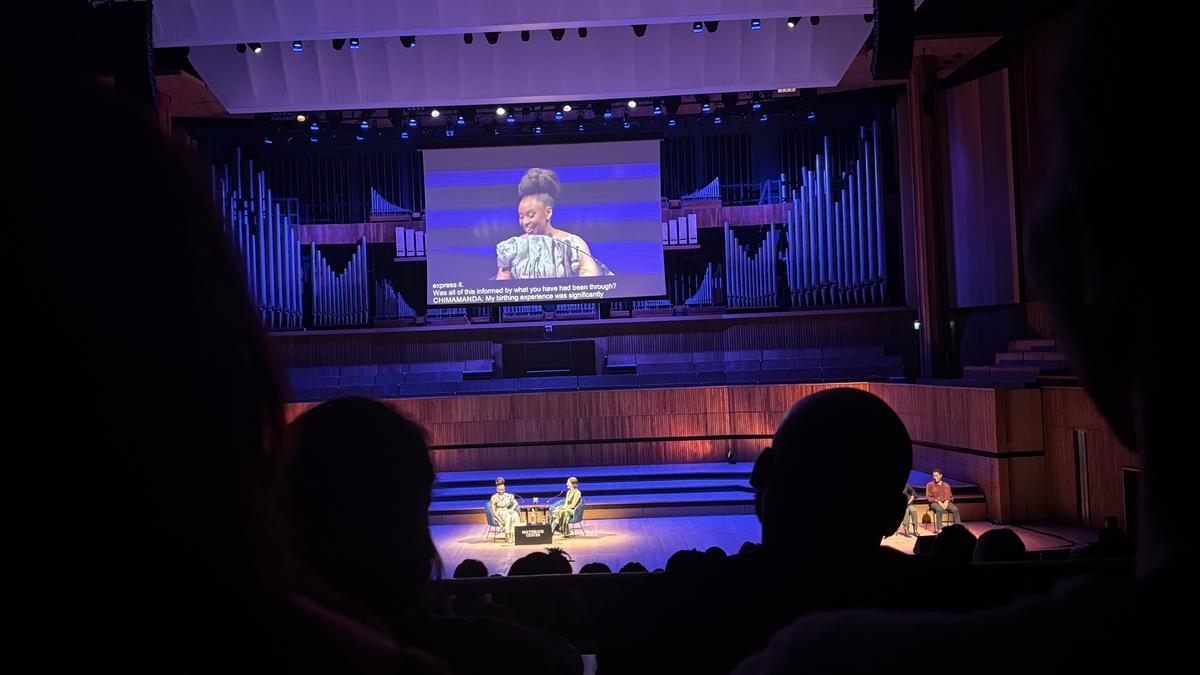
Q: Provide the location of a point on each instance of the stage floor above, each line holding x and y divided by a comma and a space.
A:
651, 541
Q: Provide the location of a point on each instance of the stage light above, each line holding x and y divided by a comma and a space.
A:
460, 121
500, 111
581, 127
240, 47
404, 135
468, 38
755, 24
812, 115
510, 119
711, 26
566, 107
495, 132
582, 32
300, 117
268, 140
631, 103
353, 43
793, 21
705, 107
639, 29
297, 46
755, 102
358, 137
657, 110
558, 116
608, 114
491, 37
408, 41
916, 325
449, 132
313, 126
558, 33
625, 124
717, 119
312, 139
412, 122
435, 113
256, 47
338, 43
537, 130
762, 118
814, 20
697, 27
524, 36
671, 122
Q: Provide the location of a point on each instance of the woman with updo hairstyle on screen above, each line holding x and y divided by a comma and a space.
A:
542, 251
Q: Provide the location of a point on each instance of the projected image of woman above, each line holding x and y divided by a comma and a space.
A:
542, 251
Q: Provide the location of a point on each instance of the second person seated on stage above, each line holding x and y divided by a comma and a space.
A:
504, 510
566, 510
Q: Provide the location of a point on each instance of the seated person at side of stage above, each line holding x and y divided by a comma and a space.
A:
941, 500
504, 510
566, 510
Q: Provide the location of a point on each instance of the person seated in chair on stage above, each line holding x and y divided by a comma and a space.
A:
941, 500
566, 510
910, 515
504, 510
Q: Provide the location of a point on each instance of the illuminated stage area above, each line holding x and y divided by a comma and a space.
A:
651, 541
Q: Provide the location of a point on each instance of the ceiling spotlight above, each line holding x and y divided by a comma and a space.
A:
461, 121
763, 117
449, 132
705, 107
581, 127
353, 43
491, 37
412, 122
793, 21
468, 38
338, 43
256, 47
500, 111
657, 109
297, 46
524, 36
639, 29
671, 122
537, 130
711, 26
510, 119
495, 132
404, 135
755, 102
358, 137
717, 119
313, 139
300, 117
558, 116
755, 24
697, 27
566, 107
812, 115
240, 47
631, 103
558, 33
435, 113
408, 41
582, 32
268, 140
314, 126
608, 114
814, 20
364, 124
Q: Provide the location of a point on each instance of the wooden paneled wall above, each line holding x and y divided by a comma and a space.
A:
1064, 410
